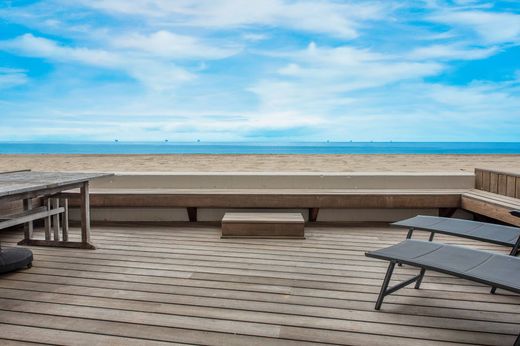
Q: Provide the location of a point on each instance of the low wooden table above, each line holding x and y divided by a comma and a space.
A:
263, 225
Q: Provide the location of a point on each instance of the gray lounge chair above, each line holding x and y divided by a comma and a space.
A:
487, 232
485, 267
496, 270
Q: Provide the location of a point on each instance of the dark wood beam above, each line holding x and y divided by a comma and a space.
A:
313, 214
192, 214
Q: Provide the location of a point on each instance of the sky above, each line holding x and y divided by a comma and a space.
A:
259, 70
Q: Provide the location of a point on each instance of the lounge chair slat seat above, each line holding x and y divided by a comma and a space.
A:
492, 233
476, 265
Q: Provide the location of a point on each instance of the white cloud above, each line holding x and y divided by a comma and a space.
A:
327, 17
451, 52
492, 27
254, 37
30, 45
364, 78
10, 77
155, 74
166, 44
319, 80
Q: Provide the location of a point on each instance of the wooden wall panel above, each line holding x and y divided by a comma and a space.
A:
511, 186
486, 179
479, 178
493, 182
502, 183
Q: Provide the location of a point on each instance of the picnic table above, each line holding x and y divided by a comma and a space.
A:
27, 185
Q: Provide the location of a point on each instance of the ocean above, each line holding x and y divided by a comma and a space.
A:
262, 148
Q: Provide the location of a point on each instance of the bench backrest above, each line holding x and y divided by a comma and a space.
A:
502, 183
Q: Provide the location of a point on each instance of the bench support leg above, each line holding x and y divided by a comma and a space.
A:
447, 212
192, 214
386, 291
313, 214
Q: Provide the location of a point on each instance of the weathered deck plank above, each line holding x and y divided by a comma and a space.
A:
184, 285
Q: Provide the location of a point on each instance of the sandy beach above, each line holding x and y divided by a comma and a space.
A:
260, 163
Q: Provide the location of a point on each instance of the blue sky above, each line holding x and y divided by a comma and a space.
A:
237, 70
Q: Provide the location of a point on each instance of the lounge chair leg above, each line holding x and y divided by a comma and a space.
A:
385, 290
419, 278
408, 236
432, 234
514, 252
517, 342
516, 248
386, 282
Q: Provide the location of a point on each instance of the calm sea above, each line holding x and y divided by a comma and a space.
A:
262, 148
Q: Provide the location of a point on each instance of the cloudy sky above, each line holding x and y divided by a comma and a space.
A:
256, 70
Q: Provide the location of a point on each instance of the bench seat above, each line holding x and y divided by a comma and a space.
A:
272, 198
491, 205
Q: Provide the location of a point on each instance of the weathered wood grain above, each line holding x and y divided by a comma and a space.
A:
150, 285
511, 186
240, 198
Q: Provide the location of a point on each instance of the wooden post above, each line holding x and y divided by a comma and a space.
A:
65, 220
56, 219
192, 214
85, 216
447, 212
28, 227
47, 220
313, 214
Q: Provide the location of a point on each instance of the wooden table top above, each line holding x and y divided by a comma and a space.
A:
13, 183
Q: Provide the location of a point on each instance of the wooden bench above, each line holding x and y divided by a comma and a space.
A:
263, 225
446, 200
495, 195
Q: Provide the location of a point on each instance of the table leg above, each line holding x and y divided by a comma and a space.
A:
85, 216
28, 227
65, 220
56, 219
47, 220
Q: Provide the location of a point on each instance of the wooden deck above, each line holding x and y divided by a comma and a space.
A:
185, 285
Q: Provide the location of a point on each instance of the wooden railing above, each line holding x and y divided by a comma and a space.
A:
502, 183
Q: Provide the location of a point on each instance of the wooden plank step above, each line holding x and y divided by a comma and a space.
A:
263, 225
